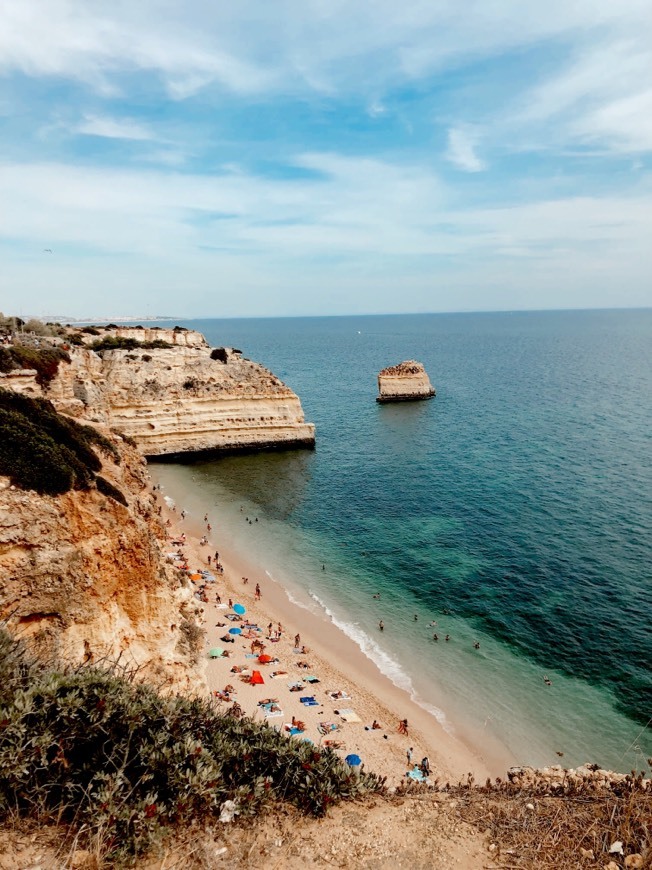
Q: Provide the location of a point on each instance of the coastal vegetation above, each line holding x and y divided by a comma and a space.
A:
96, 750
118, 342
44, 360
42, 450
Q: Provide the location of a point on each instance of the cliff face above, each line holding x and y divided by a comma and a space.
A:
83, 577
404, 382
176, 400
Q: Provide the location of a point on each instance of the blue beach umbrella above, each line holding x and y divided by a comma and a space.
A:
235, 631
240, 609
353, 760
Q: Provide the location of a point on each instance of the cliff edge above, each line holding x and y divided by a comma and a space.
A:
170, 392
83, 573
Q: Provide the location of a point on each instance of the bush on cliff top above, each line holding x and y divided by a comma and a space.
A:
94, 749
117, 342
43, 451
45, 360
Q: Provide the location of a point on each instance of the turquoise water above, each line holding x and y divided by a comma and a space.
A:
514, 509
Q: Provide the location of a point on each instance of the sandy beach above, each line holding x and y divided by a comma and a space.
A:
348, 691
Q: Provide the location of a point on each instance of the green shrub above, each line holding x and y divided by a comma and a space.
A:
107, 488
118, 342
45, 360
44, 451
91, 748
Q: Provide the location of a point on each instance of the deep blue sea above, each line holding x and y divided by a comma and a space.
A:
514, 509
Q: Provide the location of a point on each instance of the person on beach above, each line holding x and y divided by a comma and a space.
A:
183, 515
448, 637
476, 645
218, 600
425, 766
209, 561
415, 617
209, 527
547, 681
435, 636
217, 557
403, 727
205, 518
257, 596
297, 641
381, 625
408, 755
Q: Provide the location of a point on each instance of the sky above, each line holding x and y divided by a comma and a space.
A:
308, 157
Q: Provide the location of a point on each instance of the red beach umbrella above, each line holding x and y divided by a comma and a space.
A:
257, 679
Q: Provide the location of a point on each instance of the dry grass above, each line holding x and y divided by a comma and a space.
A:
529, 829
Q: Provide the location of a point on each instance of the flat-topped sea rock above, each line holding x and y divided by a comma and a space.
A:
405, 382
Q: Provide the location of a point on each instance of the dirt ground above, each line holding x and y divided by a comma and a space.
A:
412, 832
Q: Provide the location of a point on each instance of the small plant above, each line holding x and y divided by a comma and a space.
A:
107, 488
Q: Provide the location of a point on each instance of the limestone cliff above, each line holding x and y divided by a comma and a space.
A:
404, 382
177, 399
83, 577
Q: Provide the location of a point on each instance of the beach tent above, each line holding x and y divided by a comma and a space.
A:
256, 678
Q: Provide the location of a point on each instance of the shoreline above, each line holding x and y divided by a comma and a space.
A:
335, 659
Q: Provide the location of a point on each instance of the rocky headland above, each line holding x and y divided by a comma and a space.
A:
169, 391
405, 382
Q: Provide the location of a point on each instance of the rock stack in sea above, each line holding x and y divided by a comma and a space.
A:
405, 382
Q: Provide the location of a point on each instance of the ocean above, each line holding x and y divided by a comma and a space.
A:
513, 510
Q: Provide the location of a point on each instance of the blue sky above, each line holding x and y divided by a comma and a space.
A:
297, 157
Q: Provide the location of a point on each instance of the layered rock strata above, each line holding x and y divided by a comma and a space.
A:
175, 400
85, 578
404, 382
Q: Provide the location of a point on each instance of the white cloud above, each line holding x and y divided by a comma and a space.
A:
369, 226
251, 47
113, 128
462, 142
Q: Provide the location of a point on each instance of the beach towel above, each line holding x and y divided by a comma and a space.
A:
271, 715
311, 680
350, 716
294, 731
311, 703
417, 775
307, 698
339, 696
327, 727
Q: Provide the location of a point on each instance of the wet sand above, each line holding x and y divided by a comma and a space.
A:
334, 659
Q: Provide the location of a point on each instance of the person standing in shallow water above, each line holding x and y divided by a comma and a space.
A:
381, 625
